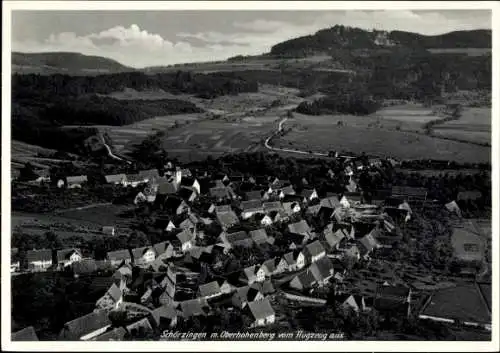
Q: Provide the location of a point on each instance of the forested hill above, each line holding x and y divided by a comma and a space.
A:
341, 37
64, 62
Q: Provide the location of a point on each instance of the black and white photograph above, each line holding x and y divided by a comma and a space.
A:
276, 176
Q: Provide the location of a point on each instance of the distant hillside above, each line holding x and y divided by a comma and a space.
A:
341, 37
64, 63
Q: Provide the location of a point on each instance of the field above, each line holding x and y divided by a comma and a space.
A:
410, 116
467, 245
473, 125
373, 135
39, 157
468, 51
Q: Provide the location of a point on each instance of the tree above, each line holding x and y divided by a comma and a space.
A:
27, 172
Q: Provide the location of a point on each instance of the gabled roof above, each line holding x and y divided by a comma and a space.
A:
291, 257
334, 238
134, 178
331, 201
167, 188
115, 178
149, 174
288, 206
186, 193
315, 248
259, 236
307, 193
322, 269
409, 191
227, 218
188, 181
220, 192
26, 334
287, 190
223, 208
254, 195
84, 325
117, 255
193, 307
272, 206
261, 309
138, 252
39, 255
300, 227
185, 236
469, 195
250, 272
76, 179
271, 264
368, 243
114, 292
390, 297
254, 205
116, 334
65, 254
209, 289
164, 311
160, 248
306, 279
173, 203
240, 238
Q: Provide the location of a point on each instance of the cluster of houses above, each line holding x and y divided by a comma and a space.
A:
163, 283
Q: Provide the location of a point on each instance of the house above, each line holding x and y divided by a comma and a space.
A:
161, 248
164, 317
272, 206
250, 208
26, 334
351, 302
333, 238
85, 327
116, 179
186, 239
133, 180
139, 328
209, 290
350, 199
393, 299
188, 195
119, 256
39, 260
175, 206
220, 193
259, 236
262, 312
285, 191
116, 334
108, 230
254, 273
322, 270
254, 195
112, 299
303, 281
191, 183
15, 264
66, 257
264, 220
149, 176
291, 208
143, 255
314, 251
301, 228
331, 202
309, 195
227, 219
270, 267
73, 182
265, 287
245, 295
230, 240
452, 207
291, 261
194, 307
367, 244
167, 187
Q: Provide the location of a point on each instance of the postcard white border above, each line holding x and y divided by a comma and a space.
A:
409, 346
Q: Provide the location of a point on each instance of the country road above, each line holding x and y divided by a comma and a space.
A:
280, 128
110, 153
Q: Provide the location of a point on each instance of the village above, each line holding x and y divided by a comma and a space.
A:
241, 252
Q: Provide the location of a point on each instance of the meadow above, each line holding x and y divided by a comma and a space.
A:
474, 125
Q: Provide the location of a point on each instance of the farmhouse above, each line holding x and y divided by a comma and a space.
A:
271, 266
291, 261
314, 251
262, 312
220, 193
111, 300
322, 270
164, 317
143, 255
367, 244
188, 195
26, 334
15, 264
149, 176
186, 239
240, 238
66, 257
333, 238
191, 183
133, 180
245, 295
116, 179
254, 274
227, 219
250, 208
108, 230
352, 302
409, 193
254, 195
194, 307
452, 207
309, 195
116, 334
119, 256
331, 202
259, 236
209, 290
167, 187
39, 260
303, 281
285, 191
73, 182
300, 228
85, 327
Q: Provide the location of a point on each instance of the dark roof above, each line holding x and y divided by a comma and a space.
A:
315, 248
76, 179
239, 238
368, 242
39, 255
83, 325
469, 195
251, 205
306, 279
307, 192
272, 206
167, 188
116, 334
172, 203
185, 236
115, 178
408, 191
209, 289
123, 254
259, 236
187, 181
138, 252
160, 248
322, 269
220, 192
193, 307
253, 195
65, 254
227, 218
186, 193
114, 292
261, 309
334, 237
149, 174
391, 298
26, 334
300, 227
164, 311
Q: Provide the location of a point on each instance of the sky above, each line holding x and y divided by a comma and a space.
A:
156, 38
